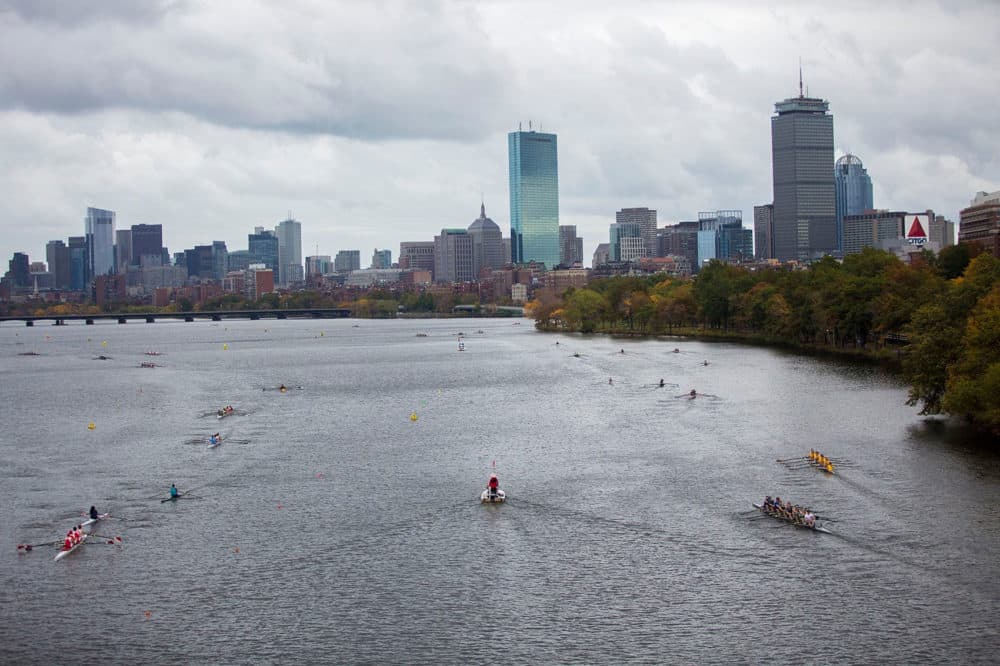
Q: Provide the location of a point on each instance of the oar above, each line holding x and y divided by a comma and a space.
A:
29, 546
800, 458
112, 541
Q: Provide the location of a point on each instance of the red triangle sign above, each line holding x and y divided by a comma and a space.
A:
916, 230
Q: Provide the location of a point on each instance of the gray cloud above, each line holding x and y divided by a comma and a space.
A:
381, 122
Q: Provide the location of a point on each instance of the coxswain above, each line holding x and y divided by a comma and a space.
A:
173, 491
493, 485
222, 412
93, 513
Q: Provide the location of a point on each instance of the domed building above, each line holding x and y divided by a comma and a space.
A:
487, 243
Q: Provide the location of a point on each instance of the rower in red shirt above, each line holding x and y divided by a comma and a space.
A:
493, 485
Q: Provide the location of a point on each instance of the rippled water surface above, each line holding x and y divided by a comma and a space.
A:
332, 527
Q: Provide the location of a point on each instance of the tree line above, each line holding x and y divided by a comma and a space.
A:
937, 318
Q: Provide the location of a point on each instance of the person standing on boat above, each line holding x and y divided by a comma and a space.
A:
493, 485
173, 491
93, 513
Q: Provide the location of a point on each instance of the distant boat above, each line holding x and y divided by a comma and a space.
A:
461, 345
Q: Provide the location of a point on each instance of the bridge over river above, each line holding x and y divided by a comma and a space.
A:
213, 315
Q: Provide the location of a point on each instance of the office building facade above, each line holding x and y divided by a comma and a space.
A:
805, 215
57, 256
263, 247
381, 259
147, 244
487, 243
570, 246
347, 260
980, 222
453, 256
646, 219
763, 231
854, 191
872, 229
99, 227
625, 241
417, 255
289, 233
534, 197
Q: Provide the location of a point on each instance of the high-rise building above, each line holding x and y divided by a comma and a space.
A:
763, 231
147, 241
220, 260
805, 208
417, 255
200, 262
318, 265
347, 260
123, 250
20, 270
534, 197
942, 231
854, 191
239, 260
570, 246
263, 247
289, 271
99, 226
980, 222
602, 255
680, 240
872, 229
79, 258
382, 258
57, 256
453, 256
646, 219
626, 242
721, 236
487, 243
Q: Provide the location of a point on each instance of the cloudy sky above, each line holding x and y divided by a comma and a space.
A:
379, 122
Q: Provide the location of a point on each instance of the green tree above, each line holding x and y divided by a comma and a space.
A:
973, 386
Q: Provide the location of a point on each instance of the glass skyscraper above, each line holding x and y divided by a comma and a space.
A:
100, 233
854, 191
534, 198
805, 215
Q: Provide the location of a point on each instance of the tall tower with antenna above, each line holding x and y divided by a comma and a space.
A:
805, 221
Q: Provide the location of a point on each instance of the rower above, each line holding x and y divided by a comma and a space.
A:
693, 394
93, 513
610, 381
493, 485
173, 491
661, 383
214, 439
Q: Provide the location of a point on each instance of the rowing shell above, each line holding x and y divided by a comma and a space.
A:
64, 552
499, 498
91, 521
815, 528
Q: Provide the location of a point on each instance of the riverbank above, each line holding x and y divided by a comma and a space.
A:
887, 357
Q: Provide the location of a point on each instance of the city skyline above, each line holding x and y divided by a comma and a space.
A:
164, 125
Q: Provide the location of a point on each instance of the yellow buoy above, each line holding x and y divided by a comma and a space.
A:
322, 333
413, 416
104, 343
225, 347
91, 426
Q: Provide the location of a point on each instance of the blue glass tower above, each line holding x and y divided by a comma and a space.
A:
534, 198
854, 191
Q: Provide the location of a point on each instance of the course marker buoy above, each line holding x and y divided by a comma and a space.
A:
413, 416
225, 347
91, 426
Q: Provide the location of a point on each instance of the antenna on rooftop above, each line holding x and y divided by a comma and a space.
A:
529, 126
800, 76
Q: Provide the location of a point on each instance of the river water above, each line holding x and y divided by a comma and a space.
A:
330, 526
